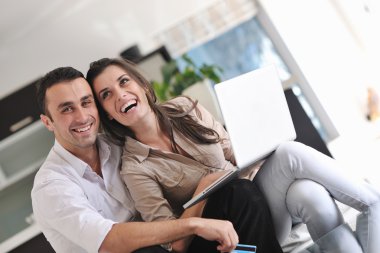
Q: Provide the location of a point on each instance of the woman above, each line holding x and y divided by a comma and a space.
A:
299, 183
169, 176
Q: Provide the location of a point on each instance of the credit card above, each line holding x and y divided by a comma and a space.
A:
244, 248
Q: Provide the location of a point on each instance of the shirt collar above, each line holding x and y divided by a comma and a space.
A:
136, 148
104, 150
77, 164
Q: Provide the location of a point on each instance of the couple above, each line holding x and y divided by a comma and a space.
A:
171, 152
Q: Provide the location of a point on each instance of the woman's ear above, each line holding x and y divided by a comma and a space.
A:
109, 117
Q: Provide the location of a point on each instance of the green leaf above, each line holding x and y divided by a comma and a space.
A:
174, 81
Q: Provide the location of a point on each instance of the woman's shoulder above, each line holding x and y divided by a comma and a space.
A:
182, 101
131, 164
134, 153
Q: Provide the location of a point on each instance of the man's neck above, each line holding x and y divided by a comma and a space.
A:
90, 155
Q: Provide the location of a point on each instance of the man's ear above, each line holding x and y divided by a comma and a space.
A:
47, 122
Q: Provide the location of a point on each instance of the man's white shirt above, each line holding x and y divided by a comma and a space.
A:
74, 207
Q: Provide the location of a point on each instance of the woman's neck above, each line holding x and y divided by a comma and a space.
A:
150, 133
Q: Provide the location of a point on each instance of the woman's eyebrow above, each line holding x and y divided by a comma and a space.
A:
121, 77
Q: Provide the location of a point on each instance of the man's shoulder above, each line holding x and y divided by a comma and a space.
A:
54, 168
52, 171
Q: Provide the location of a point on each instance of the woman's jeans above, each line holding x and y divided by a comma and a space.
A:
301, 183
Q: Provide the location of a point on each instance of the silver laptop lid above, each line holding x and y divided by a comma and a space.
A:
255, 113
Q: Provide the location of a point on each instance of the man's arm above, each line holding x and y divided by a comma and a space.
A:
196, 210
130, 236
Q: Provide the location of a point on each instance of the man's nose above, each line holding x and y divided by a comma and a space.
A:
81, 114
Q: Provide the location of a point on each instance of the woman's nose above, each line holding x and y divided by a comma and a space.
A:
121, 94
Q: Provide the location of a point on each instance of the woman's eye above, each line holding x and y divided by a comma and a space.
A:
105, 94
124, 81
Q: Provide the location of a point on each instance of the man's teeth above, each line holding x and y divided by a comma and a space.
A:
83, 129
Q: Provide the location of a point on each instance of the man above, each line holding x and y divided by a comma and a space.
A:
78, 198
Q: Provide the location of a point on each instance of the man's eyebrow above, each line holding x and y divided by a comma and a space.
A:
64, 104
68, 103
89, 96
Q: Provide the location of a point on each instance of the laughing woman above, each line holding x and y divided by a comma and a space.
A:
172, 150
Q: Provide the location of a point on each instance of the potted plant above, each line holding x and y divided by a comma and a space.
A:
194, 81
176, 81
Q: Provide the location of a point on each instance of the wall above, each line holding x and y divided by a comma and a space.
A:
327, 54
335, 67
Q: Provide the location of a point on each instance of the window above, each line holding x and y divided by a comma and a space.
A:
247, 47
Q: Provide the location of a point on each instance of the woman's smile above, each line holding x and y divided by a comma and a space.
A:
130, 105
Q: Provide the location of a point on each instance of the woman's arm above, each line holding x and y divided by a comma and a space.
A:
152, 205
147, 193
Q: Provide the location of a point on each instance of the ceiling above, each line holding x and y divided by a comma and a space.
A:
38, 35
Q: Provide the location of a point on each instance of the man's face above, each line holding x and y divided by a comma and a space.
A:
73, 116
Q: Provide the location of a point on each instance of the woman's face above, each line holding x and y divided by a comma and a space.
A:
121, 96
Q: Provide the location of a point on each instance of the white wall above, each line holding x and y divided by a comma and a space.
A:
327, 54
334, 65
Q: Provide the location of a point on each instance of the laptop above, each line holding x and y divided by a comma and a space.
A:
256, 117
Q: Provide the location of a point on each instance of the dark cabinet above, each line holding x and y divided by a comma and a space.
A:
18, 110
36, 244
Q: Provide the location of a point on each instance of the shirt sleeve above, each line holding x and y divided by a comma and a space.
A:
147, 194
62, 205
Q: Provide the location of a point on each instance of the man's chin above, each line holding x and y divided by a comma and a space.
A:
86, 141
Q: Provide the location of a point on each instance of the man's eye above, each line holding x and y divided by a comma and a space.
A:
104, 95
67, 109
86, 103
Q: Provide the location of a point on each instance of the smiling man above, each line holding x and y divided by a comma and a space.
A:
78, 197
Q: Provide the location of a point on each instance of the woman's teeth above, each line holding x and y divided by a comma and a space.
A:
125, 108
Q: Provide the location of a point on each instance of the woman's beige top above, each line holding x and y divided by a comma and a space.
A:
161, 182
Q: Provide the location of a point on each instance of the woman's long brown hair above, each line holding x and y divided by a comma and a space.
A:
169, 115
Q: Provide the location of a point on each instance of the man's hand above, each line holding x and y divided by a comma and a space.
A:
217, 230
197, 210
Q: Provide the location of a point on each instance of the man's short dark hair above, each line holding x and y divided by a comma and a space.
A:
58, 75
